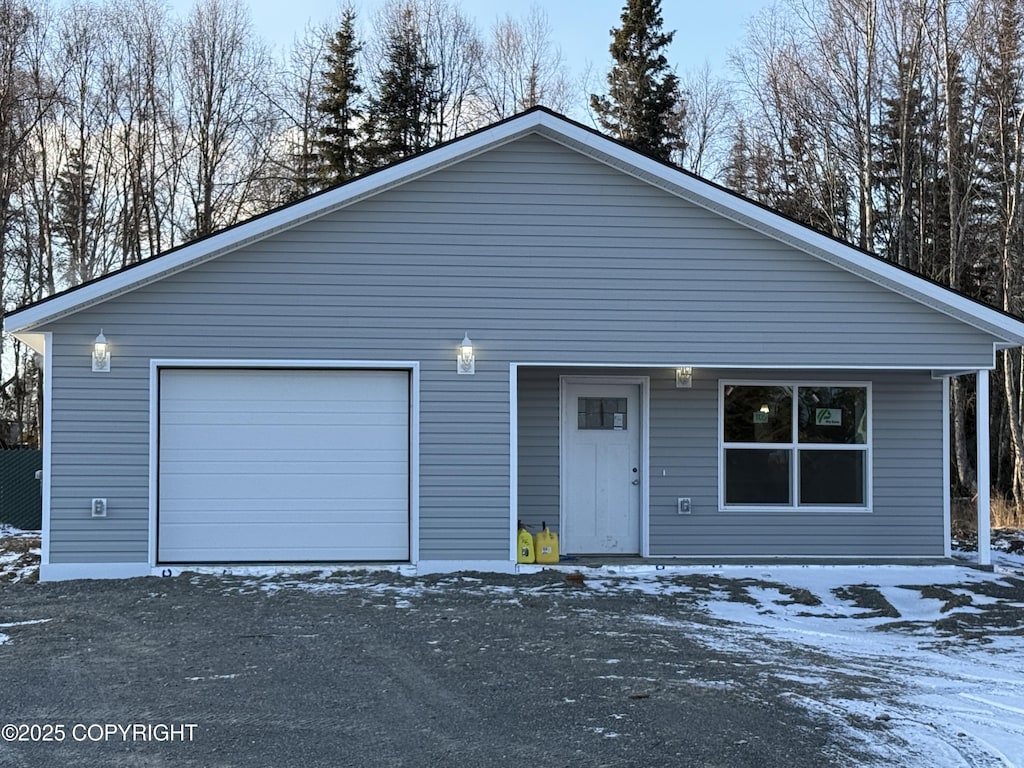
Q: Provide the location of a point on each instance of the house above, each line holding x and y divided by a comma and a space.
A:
653, 366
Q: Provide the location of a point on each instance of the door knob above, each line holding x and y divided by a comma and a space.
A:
636, 481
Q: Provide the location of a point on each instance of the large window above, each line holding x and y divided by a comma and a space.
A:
795, 445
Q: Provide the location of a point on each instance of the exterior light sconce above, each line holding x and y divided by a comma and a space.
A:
466, 363
684, 377
101, 354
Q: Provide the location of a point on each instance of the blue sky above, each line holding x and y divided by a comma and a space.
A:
706, 30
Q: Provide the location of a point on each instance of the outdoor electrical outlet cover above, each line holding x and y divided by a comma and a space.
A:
99, 507
684, 506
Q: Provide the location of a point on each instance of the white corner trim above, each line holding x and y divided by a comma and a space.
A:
47, 353
983, 472
513, 460
947, 514
154, 457
414, 462
70, 571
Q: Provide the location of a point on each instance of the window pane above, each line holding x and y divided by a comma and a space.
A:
601, 413
832, 477
754, 476
832, 415
758, 414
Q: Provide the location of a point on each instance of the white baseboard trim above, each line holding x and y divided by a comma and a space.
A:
423, 567
68, 571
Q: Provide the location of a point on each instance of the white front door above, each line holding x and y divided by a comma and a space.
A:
601, 470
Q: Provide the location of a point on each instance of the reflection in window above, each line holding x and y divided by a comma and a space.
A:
833, 414
758, 414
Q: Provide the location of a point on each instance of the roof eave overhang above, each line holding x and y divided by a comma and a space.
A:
274, 222
1006, 330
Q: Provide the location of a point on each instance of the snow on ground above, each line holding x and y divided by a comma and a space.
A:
19, 554
918, 665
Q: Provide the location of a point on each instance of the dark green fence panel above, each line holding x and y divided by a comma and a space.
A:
21, 495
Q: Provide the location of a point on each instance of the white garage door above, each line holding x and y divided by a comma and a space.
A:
283, 465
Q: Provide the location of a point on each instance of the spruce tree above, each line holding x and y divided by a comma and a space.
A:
398, 117
340, 106
75, 219
642, 91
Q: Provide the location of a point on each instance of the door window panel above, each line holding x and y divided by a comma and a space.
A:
601, 412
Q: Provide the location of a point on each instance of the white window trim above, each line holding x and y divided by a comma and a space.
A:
794, 446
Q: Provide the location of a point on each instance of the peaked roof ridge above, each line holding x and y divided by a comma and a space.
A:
546, 122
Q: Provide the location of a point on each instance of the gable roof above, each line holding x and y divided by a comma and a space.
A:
543, 122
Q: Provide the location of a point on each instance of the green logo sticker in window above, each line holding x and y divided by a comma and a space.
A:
828, 417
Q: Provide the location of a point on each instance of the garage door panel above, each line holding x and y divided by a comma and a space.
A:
321, 474
284, 425
195, 459
267, 515
375, 544
283, 465
213, 494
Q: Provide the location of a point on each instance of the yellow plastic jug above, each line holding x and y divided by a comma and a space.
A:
545, 545
525, 547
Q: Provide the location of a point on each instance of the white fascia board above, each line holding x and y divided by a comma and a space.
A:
698, 364
274, 222
753, 216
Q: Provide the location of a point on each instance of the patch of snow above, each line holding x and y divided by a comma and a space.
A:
7, 638
214, 677
944, 701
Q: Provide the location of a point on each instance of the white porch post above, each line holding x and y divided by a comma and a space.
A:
984, 479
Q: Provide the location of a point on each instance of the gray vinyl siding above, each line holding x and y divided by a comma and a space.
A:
538, 454
540, 253
906, 511
906, 517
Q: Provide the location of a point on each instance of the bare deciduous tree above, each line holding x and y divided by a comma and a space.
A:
230, 121
523, 67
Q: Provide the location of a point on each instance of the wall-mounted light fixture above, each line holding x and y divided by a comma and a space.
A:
101, 354
684, 377
466, 358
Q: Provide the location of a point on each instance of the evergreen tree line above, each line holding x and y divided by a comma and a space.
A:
896, 125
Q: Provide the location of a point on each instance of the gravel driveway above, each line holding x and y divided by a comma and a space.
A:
381, 670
